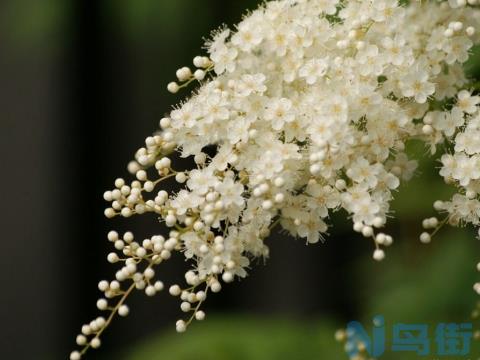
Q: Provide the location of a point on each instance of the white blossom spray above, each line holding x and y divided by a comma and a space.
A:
309, 105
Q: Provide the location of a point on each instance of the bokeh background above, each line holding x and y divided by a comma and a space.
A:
82, 83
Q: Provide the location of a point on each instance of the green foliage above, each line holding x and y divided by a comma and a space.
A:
244, 337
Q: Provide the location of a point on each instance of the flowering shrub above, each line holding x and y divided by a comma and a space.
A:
304, 110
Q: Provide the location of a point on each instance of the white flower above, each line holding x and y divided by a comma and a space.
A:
279, 112
370, 61
457, 49
466, 168
467, 103
386, 10
278, 40
403, 166
397, 53
251, 84
192, 243
248, 36
416, 85
313, 70
230, 192
468, 142
224, 59
361, 171
186, 200
323, 198
449, 122
215, 108
186, 116
201, 181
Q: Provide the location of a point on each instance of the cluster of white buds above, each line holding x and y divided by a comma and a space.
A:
128, 200
308, 108
185, 75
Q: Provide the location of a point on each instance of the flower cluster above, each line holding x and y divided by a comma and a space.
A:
304, 110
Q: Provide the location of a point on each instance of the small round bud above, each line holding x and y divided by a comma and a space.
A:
103, 285
100, 322
216, 287
438, 205
102, 304
200, 315
199, 75
114, 285
119, 245
426, 224
367, 231
86, 330
476, 287
181, 177
81, 340
184, 73
123, 310
175, 290
200, 158
198, 61
165, 162
448, 33
149, 273
170, 220
112, 258
112, 236
148, 186
380, 239
267, 205
150, 290
227, 276
126, 212
204, 249
165, 123
141, 252
427, 129
109, 213
128, 237
457, 26
185, 306
279, 198
75, 355
378, 222
357, 227
173, 87
201, 295
95, 343
425, 238
388, 240
107, 196
181, 326
379, 255
279, 182
158, 286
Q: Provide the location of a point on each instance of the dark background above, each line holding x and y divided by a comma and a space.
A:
82, 84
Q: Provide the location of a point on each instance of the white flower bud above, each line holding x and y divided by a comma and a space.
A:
378, 255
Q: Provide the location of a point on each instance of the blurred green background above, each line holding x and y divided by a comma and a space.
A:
83, 82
